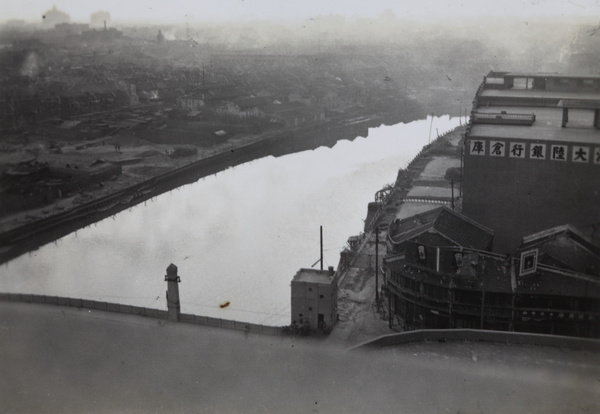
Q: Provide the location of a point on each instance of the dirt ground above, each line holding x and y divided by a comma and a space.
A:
360, 319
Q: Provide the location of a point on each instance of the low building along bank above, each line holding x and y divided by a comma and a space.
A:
436, 282
314, 299
524, 253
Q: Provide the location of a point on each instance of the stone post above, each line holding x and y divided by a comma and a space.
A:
173, 281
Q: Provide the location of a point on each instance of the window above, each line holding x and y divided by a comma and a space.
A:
309, 308
321, 296
310, 289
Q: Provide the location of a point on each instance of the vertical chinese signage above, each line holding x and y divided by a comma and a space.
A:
528, 262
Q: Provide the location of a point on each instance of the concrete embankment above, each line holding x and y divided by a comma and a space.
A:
360, 316
32, 235
162, 315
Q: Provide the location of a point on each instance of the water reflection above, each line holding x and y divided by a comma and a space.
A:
237, 236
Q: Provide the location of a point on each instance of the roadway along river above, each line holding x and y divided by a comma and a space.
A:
238, 236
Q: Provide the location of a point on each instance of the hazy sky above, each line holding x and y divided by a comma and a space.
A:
202, 10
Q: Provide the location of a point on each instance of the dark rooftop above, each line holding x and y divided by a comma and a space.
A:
446, 222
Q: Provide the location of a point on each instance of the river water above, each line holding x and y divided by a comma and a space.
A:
238, 236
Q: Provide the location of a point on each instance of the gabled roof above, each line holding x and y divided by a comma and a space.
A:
448, 223
566, 247
555, 232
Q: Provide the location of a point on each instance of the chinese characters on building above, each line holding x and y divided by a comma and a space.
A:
536, 151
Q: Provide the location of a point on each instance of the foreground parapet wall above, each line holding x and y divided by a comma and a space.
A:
473, 335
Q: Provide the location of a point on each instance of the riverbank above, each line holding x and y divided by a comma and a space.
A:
28, 230
424, 184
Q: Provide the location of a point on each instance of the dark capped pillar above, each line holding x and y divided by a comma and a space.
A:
173, 281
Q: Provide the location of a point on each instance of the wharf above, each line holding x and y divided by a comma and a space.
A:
422, 186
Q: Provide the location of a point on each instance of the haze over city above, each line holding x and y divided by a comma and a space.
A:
180, 11
360, 206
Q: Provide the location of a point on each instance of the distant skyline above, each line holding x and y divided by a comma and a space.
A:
181, 11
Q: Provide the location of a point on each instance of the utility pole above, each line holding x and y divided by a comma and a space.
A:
377, 266
482, 306
452, 185
389, 293
430, 126
462, 154
321, 247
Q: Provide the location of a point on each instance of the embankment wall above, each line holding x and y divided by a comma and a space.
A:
140, 311
30, 236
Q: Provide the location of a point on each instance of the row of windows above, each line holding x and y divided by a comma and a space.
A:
322, 296
496, 298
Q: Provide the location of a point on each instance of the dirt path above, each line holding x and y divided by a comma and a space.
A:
359, 318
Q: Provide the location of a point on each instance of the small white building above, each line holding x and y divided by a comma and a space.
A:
314, 298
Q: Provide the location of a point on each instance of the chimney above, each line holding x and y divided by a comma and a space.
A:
331, 272
173, 305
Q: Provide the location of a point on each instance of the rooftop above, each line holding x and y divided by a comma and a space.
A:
447, 222
538, 94
541, 75
313, 276
565, 247
547, 126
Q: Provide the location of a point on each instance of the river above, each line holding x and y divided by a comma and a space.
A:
238, 236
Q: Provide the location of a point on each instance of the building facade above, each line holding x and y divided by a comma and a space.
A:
438, 279
524, 253
532, 155
314, 299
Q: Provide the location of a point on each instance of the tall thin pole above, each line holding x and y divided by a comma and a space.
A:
377, 266
389, 293
430, 126
452, 184
321, 248
462, 154
482, 306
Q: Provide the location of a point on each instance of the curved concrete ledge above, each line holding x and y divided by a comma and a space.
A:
474, 335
